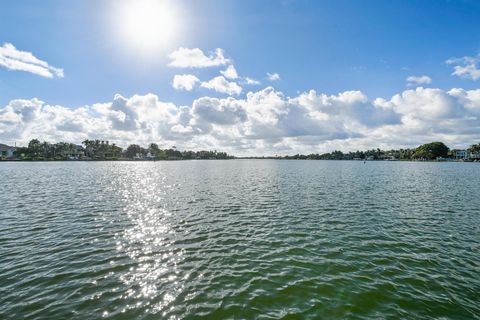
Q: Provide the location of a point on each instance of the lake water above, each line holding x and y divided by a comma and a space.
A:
239, 239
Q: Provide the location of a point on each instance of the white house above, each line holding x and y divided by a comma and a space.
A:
149, 156
6, 151
475, 155
460, 154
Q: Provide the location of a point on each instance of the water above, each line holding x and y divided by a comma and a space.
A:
239, 239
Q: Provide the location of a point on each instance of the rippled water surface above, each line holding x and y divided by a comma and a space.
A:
239, 239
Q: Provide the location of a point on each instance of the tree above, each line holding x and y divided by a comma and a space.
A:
173, 154
35, 148
132, 151
431, 151
474, 148
88, 147
45, 149
153, 149
115, 150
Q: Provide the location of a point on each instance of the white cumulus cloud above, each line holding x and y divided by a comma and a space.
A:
466, 67
273, 76
195, 58
185, 82
230, 72
418, 80
261, 123
14, 59
220, 84
251, 82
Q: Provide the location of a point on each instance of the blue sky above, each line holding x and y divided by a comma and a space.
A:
328, 46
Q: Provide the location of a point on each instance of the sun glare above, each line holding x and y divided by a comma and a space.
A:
147, 25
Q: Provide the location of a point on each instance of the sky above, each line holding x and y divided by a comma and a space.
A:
246, 77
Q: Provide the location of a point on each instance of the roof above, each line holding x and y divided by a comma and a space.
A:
4, 147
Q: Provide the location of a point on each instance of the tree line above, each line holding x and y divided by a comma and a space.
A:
429, 151
104, 150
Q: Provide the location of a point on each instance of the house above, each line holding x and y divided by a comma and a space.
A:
141, 156
6, 151
460, 154
149, 156
444, 159
70, 151
138, 156
76, 153
474, 155
391, 158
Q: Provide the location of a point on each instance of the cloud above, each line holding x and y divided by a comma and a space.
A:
252, 82
230, 72
185, 82
220, 84
14, 59
418, 80
219, 111
466, 67
263, 122
195, 58
273, 76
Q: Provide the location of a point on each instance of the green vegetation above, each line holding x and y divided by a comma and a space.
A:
103, 150
426, 152
37, 150
374, 154
154, 152
474, 148
431, 151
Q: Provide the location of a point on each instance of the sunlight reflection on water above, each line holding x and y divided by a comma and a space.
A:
153, 281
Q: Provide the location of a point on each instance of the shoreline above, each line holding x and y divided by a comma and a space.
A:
238, 158
100, 150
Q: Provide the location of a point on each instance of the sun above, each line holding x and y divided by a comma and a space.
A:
147, 25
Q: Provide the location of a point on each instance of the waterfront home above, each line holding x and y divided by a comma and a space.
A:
75, 153
78, 152
474, 155
149, 156
444, 159
460, 154
141, 156
391, 158
6, 151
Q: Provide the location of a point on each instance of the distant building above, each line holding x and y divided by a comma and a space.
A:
141, 156
78, 152
474, 155
6, 151
460, 154
391, 158
444, 159
149, 156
